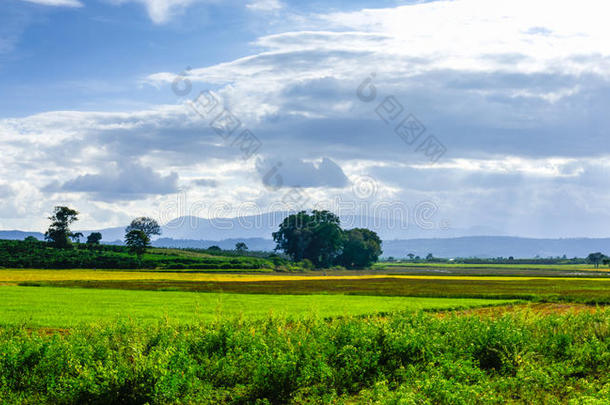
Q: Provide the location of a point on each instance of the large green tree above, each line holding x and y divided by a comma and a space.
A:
362, 247
59, 233
316, 236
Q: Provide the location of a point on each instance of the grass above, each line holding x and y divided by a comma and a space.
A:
67, 307
584, 290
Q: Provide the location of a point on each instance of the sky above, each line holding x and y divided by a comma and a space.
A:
476, 116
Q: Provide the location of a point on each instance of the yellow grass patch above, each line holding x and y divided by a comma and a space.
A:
24, 275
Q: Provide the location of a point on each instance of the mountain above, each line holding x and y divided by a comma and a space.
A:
496, 246
399, 239
20, 235
263, 225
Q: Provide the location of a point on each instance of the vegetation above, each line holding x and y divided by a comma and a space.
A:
94, 238
147, 225
70, 307
590, 291
361, 248
59, 233
37, 254
318, 237
137, 241
401, 358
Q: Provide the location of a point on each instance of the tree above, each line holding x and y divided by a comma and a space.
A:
429, 257
595, 258
361, 248
76, 237
59, 233
137, 241
410, 256
215, 248
145, 224
94, 238
30, 239
316, 236
241, 247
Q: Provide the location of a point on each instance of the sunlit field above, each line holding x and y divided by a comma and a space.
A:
67, 307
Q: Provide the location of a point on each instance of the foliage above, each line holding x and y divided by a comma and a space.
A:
37, 254
317, 237
595, 258
362, 248
59, 231
137, 242
241, 247
401, 358
145, 224
94, 238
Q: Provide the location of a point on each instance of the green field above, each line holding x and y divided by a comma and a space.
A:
191, 336
68, 307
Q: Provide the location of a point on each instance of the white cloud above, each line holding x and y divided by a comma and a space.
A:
161, 11
265, 5
57, 3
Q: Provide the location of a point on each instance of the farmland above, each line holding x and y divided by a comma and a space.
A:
67, 307
391, 333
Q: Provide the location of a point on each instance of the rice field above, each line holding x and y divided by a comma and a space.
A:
69, 307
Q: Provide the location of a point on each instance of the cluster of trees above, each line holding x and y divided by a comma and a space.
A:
598, 258
318, 237
59, 233
315, 238
137, 234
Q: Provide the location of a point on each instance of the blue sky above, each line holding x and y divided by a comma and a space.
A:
514, 93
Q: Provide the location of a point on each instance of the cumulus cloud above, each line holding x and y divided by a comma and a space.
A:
519, 100
122, 181
298, 173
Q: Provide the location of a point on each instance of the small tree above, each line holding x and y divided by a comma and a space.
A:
94, 238
137, 242
30, 239
411, 256
76, 237
241, 247
595, 258
145, 224
214, 248
59, 232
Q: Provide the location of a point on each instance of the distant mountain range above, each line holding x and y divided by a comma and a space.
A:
195, 232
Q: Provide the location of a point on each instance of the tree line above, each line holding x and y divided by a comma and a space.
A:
316, 238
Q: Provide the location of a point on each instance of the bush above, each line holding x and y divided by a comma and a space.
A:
413, 358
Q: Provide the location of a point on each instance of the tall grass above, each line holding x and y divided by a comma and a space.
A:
403, 358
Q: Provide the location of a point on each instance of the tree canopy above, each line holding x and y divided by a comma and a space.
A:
361, 248
137, 241
59, 233
318, 237
145, 224
94, 238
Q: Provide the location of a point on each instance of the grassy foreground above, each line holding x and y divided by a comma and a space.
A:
402, 358
69, 307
